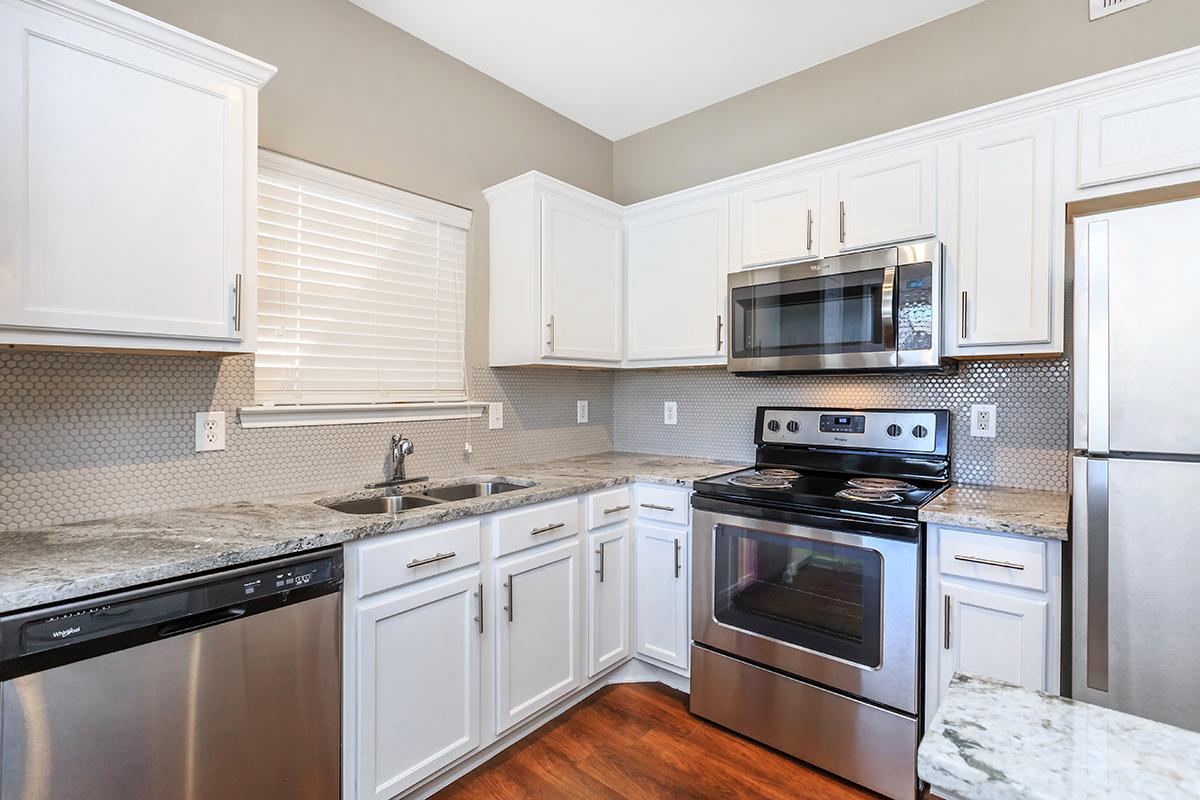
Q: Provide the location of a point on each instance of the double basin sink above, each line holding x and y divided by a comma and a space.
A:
394, 503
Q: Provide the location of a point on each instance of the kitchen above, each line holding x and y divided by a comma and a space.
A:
382, 412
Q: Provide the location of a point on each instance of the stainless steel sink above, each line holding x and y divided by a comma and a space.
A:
389, 504
465, 491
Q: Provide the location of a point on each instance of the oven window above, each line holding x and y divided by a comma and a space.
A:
814, 316
820, 596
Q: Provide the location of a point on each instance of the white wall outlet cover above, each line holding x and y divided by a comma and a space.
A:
495, 416
983, 421
210, 431
581, 411
1102, 8
670, 413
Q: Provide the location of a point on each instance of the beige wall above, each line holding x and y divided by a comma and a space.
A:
991, 51
360, 95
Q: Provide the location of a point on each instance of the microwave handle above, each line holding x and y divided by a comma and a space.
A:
887, 308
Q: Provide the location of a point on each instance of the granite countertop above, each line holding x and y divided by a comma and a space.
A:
994, 741
1029, 512
66, 562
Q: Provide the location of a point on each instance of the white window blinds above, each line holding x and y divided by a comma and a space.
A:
361, 290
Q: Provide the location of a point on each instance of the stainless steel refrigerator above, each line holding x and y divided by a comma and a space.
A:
1136, 473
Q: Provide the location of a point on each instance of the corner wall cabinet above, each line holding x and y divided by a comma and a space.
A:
128, 163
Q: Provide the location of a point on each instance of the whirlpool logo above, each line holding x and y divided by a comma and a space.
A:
65, 632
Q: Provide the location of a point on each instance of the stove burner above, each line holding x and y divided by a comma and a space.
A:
881, 484
779, 472
760, 482
870, 495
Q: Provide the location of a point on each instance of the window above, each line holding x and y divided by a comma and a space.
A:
361, 290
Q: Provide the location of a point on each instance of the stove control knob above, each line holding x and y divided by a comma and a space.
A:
894, 430
773, 426
920, 431
793, 426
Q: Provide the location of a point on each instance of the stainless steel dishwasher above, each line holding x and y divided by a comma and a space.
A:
221, 686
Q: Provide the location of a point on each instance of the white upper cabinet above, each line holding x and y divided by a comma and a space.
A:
677, 262
887, 198
128, 153
777, 221
557, 295
1004, 255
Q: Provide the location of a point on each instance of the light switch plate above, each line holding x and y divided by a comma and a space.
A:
210, 431
495, 416
670, 413
983, 421
581, 411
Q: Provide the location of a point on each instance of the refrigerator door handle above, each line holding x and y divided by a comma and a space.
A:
1097, 574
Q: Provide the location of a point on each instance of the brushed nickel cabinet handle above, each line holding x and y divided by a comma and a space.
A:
544, 529
678, 548
842, 221
420, 562
810, 226
600, 553
946, 634
658, 507
479, 619
615, 509
989, 562
720, 326
508, 584
237, 303
964, 314
550, 334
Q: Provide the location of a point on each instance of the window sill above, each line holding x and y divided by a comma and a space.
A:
299, 416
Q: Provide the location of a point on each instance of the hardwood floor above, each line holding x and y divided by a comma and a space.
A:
639, 741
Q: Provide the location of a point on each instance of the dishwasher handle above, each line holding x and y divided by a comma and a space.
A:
198, 621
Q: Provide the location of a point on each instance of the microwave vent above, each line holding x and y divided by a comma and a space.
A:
1102, 8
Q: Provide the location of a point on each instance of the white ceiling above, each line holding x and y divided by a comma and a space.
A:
621, 66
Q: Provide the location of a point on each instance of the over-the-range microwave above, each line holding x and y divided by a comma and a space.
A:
865, 312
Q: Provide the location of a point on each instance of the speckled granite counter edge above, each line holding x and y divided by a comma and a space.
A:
1026, 512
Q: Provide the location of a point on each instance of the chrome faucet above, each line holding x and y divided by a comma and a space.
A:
401, 447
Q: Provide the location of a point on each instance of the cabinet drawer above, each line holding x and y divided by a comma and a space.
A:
663, 504
1011, 561
406, 557
533, 526
605, 508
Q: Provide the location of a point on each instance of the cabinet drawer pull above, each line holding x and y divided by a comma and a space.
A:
508, 584
842, 220
946, 634
615, 509
551, 527
420, 562
656, 507
810, 224
600, 553
720, 327
550, 334
237, 303
989, 562
964, 315
678, 547
479, 619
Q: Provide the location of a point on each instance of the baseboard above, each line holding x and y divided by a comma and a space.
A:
631, 671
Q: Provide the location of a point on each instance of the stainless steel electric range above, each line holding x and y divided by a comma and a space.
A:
807, 589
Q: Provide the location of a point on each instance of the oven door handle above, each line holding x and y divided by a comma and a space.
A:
887, 309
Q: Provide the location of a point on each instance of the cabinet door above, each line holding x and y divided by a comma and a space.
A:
537, 622
662, 594
608, 599
418, 684
992, 633
1004, 254
888, 198
122, 183
581, 281
677, 262
778, 220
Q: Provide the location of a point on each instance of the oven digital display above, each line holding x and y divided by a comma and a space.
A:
843, 423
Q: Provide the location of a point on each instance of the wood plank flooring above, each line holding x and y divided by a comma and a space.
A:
639, 741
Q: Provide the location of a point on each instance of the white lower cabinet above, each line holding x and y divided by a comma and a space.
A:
990, 633
417, 673
537, 624
662, 593
608, 598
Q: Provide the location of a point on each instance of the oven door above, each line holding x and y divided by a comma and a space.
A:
834, 607
836, 314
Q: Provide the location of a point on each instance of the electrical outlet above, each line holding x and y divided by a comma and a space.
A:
495, 416
581, 411
210, 431
670, 413
983, 421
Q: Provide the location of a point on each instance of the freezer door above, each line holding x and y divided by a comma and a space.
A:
1135, 547
1137, 372
245, 709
